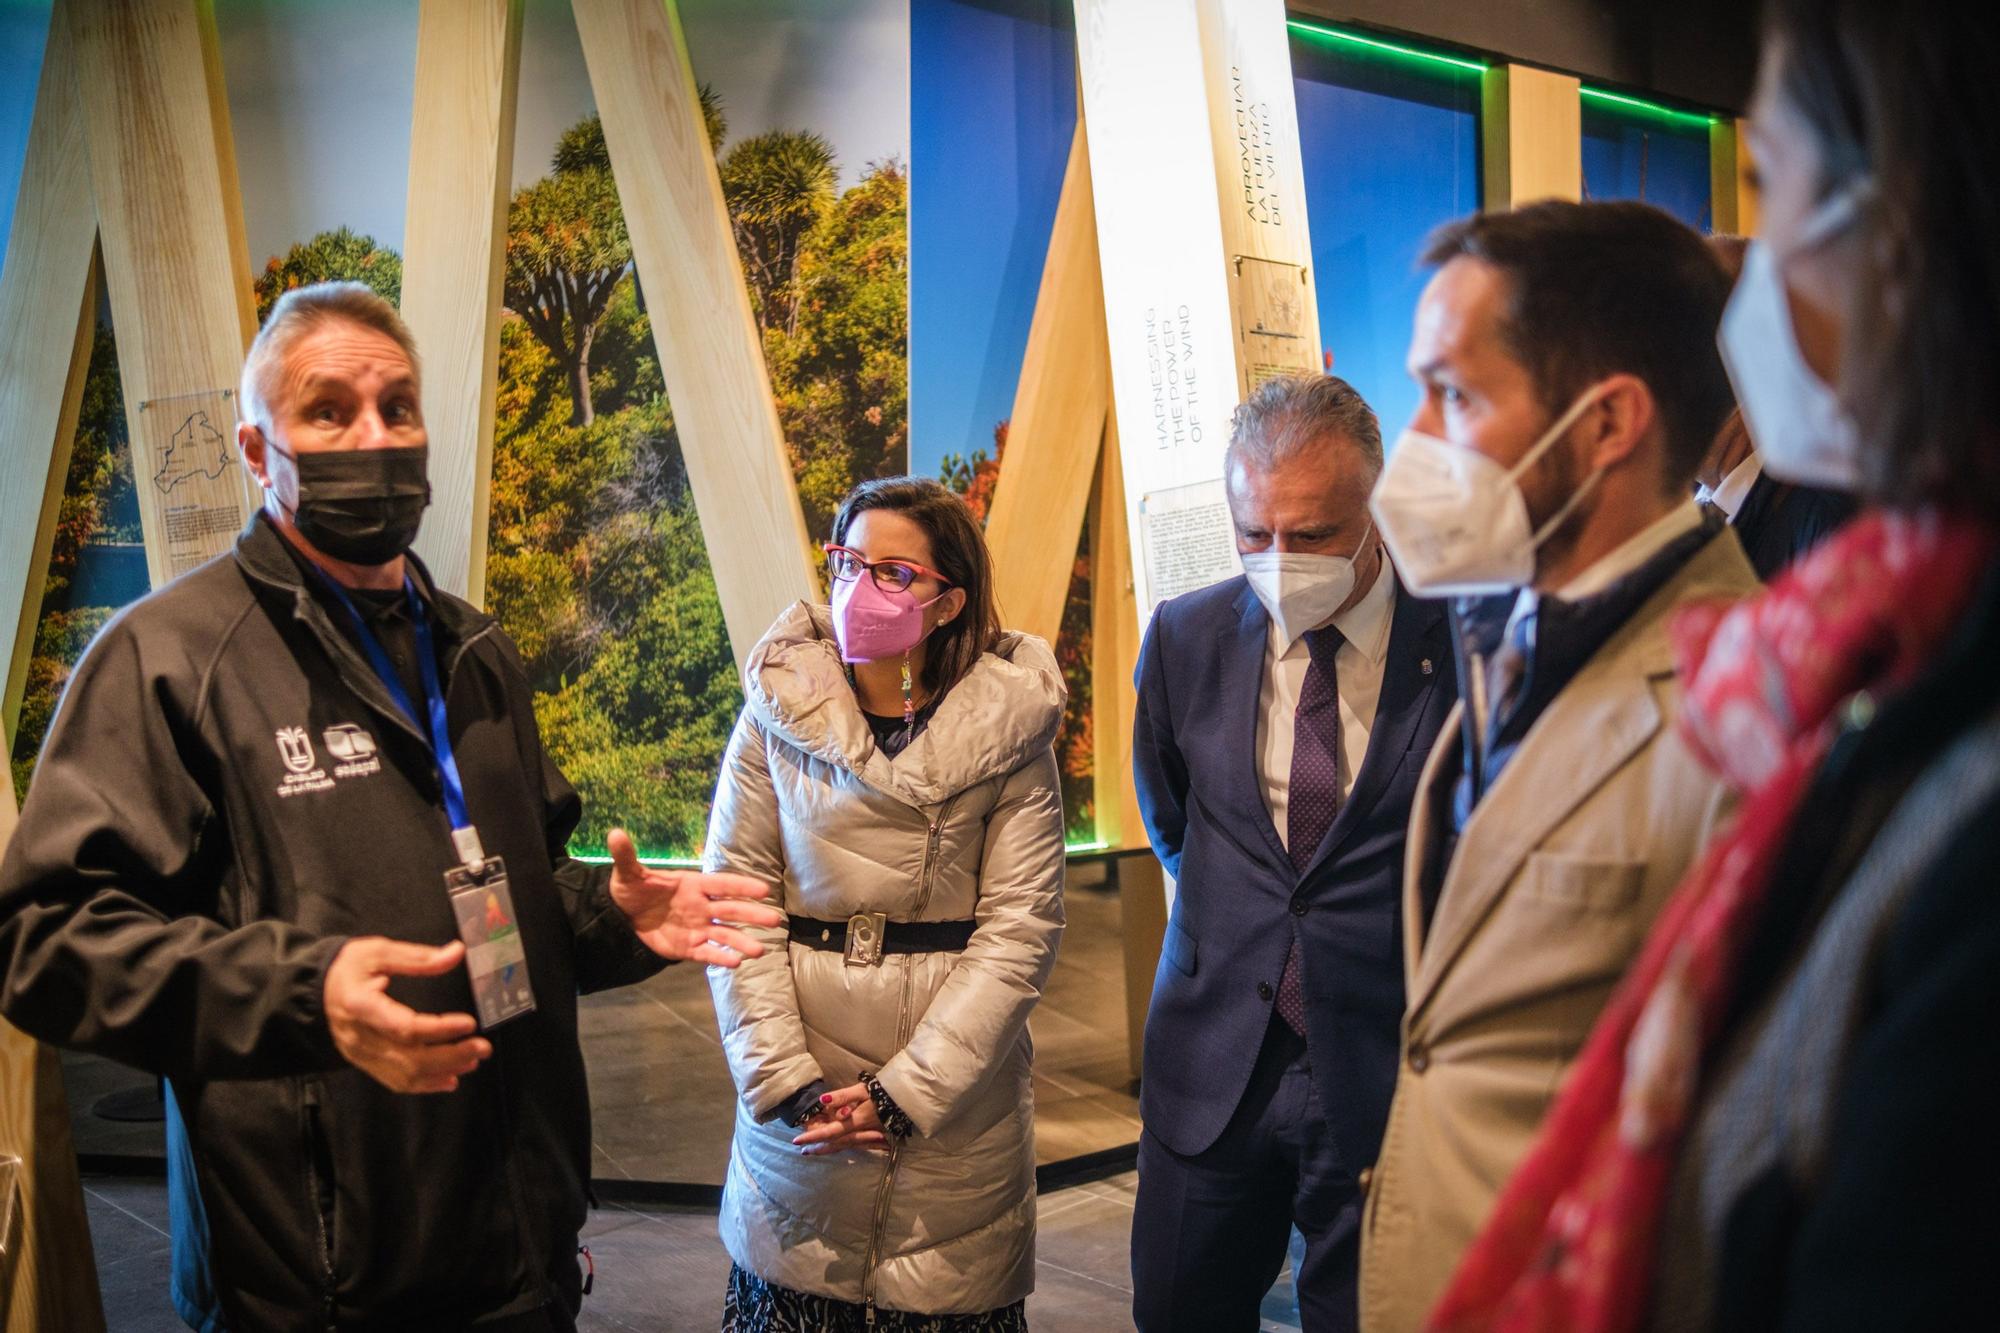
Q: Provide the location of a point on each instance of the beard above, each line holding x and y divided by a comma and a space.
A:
1548, 485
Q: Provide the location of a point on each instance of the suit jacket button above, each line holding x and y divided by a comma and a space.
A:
1420, 1060
1263, 990
1298, 907
1364, 1180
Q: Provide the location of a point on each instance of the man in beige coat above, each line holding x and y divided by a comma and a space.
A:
1571, 347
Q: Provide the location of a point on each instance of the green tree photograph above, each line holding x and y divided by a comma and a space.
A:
596, 564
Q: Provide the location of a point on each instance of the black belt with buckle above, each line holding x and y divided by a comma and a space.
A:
867, 936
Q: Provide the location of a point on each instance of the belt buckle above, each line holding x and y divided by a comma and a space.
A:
864, 938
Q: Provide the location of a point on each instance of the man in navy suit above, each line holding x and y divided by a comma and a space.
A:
1283, 718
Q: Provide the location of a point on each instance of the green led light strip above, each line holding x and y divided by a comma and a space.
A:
683, 863
1459, 63
667, 862
1652, 108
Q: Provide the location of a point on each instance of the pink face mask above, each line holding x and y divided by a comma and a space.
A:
874, 625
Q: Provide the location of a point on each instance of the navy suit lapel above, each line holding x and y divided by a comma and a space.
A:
1243, 649
1416, 635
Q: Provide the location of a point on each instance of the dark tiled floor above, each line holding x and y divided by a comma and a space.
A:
663, 1269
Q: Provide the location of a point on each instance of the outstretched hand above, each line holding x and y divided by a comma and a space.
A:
687, 914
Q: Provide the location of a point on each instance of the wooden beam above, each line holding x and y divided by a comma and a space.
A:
710, 352
1115, 632
454, 251
1253, 121
1734, 197
170, 219
1115, 635
48, 305
1531, 136
48, 1274
41, 533
1166, 300
1057, 425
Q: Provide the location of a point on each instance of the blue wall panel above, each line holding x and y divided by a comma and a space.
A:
1391, 150
1635, 154
993, 109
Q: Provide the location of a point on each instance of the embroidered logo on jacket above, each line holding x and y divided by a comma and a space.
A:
353, 750
303, 772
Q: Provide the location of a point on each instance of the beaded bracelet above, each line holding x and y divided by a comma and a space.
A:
894, 1122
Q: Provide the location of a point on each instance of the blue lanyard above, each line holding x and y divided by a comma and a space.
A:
432, 720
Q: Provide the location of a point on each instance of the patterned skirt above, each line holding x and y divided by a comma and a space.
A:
756, 1306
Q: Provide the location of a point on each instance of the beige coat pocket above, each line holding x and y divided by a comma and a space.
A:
1582, 884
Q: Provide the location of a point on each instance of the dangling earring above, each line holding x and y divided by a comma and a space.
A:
909, 704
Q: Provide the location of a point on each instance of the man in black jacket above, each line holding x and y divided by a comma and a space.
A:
231, 869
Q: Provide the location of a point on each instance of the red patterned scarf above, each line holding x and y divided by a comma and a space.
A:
1569, 1246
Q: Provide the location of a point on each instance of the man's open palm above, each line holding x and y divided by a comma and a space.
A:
686, 914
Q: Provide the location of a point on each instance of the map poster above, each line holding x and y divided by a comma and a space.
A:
194, 493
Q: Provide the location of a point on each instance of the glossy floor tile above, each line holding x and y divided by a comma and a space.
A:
662, 1270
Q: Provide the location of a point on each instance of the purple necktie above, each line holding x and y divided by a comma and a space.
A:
1314, 796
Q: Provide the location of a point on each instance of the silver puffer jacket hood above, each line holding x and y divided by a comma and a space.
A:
964, 824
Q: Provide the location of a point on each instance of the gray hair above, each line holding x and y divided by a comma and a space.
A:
297, 313
1292, 415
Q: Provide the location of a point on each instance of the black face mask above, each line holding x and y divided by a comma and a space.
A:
362, 506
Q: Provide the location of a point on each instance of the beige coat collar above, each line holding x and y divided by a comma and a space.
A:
1006, 710
1603, 717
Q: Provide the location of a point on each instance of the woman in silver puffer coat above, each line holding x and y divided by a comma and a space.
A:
892, 777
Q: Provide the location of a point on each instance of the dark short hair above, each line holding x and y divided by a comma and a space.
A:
1289, 414
958, 548
1608, 288
1904, 93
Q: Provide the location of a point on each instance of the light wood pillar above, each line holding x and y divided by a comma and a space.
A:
1058, 420
710, 352
1115, 636
1531, 133
1253, 119
1733, 198
48, 306
48, 1274
1166, 298
454, 250
170, 220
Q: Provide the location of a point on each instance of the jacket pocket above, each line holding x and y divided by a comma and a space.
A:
320, 1188
1582, 884
1179, 948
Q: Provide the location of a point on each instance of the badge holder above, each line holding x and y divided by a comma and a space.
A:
494, 955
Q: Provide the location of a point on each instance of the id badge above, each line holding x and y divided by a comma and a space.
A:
494, 954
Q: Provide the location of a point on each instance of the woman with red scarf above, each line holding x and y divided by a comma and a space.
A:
1789, 1118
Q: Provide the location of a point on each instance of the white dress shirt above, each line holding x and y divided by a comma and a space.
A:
1357, 670
1614, 565
1735, 488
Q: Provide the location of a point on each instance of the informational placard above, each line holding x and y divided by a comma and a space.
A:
1188, 538
1276, 330
194, 494
1166, 295
1260, 182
